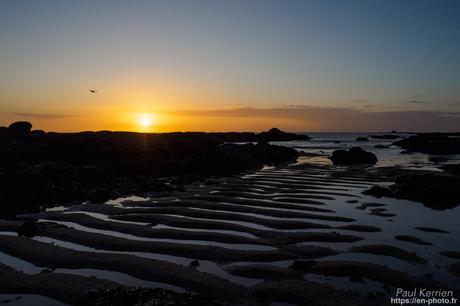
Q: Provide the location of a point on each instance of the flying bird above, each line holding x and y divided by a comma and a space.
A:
93, 91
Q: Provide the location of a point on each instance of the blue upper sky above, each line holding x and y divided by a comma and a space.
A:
188, 55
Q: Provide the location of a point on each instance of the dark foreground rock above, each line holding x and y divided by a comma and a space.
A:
354, 156
437, 191
123, 296
46, 169
432, 143
20, 127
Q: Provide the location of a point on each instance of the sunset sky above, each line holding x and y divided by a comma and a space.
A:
231, 65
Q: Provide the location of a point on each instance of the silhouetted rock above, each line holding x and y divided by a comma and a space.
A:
379, 191
437, 191
38, 132
432, 143
45, 169
362, 139
20, 127
195, 263
3, 129
275, 134
354, 156
380, 146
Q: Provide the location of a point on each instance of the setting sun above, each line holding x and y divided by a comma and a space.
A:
145, 120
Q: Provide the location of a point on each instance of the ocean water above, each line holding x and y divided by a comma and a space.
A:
326, 143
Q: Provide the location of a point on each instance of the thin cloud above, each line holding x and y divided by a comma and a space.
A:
360, 100
333, 119
417, 102
42, 116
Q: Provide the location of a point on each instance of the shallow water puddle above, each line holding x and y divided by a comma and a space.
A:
183, 241
205, 265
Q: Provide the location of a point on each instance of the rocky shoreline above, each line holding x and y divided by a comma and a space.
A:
40, 169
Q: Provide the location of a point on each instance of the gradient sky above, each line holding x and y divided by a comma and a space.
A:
231, 65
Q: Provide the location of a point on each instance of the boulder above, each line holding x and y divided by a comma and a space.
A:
354, 156
20, 127
437, 191
194, 263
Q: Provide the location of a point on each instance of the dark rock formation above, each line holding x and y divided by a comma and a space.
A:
354, 156
380, 146
432, 143
54, 168
275, 134
195, 263
437, 191
20, 127
362, 139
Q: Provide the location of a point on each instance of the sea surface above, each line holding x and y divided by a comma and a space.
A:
326, 143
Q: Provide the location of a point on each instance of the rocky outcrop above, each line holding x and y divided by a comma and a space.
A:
362, 139
52, 168
354, 156
437, 191
432, 143
20, 127
275, 134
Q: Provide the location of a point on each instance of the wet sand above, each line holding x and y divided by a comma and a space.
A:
249, 235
